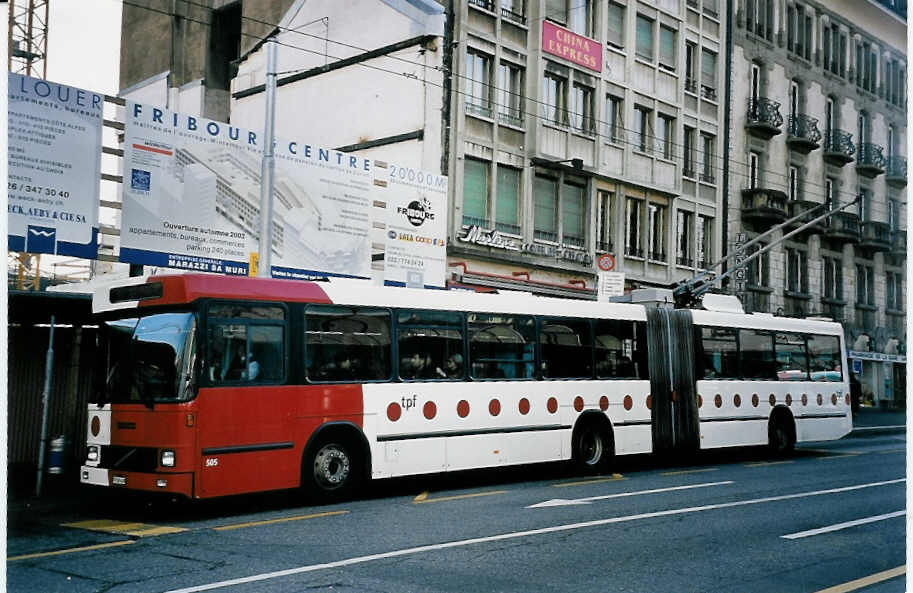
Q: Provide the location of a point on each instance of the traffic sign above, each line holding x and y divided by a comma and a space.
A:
605, 262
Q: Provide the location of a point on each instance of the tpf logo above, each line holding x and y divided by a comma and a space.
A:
417, 212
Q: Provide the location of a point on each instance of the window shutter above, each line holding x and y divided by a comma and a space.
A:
508, 188
475, 191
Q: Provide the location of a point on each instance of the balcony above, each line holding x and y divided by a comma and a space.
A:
838, 147
513, 16
797, 207
899, 243
870, 160
802, 133
763, 118
763, 205
843, 228
876, 236
896, 173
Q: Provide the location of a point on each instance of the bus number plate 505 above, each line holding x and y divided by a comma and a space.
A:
212, 462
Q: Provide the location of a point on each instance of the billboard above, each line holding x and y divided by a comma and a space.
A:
415, 250
54, 159
192, 199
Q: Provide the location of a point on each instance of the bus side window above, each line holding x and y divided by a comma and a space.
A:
616, 355
824, 358
347, 345
501, 346
720, 353
566, 348
791, 359
246, 343
756, 355
430, 345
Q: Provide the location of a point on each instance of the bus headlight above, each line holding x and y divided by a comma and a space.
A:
92, 453
167, 458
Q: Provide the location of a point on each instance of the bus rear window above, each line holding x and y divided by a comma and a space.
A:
347, 344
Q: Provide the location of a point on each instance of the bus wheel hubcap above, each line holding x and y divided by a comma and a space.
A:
331, 466
591, 448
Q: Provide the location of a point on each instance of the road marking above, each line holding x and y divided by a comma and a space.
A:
459, 496
891, 426
513, 535
558, 502
840, 456
421, 496
124, 528
71, 550
279, 520
889, 451
839, 526
766, 463
613, 478
690, 471
866, 581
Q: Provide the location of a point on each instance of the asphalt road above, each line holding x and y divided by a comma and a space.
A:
830, 518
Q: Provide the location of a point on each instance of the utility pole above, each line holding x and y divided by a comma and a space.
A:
268, 168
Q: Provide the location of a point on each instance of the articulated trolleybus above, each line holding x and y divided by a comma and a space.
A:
212, 385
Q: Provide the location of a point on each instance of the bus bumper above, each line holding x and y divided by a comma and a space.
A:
174, 483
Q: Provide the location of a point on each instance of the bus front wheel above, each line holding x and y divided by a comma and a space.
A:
780, 436
332, 469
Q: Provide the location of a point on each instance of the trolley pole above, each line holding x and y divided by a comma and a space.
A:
45, 407
268, 168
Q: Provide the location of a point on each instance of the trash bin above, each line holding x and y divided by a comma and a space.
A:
57, 454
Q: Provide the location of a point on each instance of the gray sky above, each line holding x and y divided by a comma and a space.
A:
84, 44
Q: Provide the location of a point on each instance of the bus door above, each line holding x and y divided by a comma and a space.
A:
673, 391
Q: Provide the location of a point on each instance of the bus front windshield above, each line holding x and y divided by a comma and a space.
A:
148, 359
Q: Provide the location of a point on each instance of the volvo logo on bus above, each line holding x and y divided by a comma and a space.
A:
417, 212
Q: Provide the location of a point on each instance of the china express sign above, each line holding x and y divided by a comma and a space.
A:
580, 50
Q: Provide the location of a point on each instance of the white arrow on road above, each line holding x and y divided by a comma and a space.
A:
561, 502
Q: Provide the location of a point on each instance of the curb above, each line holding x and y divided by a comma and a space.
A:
873, 430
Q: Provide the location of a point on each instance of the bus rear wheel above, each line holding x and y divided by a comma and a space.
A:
780, 439
332, 469
593, 449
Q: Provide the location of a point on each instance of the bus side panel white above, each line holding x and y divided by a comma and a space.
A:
489, 450
733, 433
415, 456
630, 440
819, 429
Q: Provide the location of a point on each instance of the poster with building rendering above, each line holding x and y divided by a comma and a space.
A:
192, 199
415, 250
54, 159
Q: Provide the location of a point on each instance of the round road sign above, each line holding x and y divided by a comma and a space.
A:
605, 262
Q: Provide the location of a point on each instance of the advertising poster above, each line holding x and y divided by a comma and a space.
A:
54, 160
415, 253
192, 199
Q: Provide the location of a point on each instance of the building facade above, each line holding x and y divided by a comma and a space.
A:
582, 128
822, 122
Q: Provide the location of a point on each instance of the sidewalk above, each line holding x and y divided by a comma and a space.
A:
871, 420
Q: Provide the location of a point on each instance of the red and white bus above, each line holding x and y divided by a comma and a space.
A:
213, 385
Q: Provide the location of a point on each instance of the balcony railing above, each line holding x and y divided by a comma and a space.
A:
605, 246
513, 16
477, 109
708, 178
802, 133
684, 260
875, 236
571, 241
896, 172
708, 92
657, 255
510, 229
512, 117
691, 85
870, 159
545, 236
838, 147
843, 227
633, 251
482, 223
763, 205
797, 207
484, 4
763, 118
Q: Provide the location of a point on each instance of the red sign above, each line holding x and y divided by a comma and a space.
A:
605, 262
575, 48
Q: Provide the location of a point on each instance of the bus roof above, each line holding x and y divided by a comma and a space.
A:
186, 288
